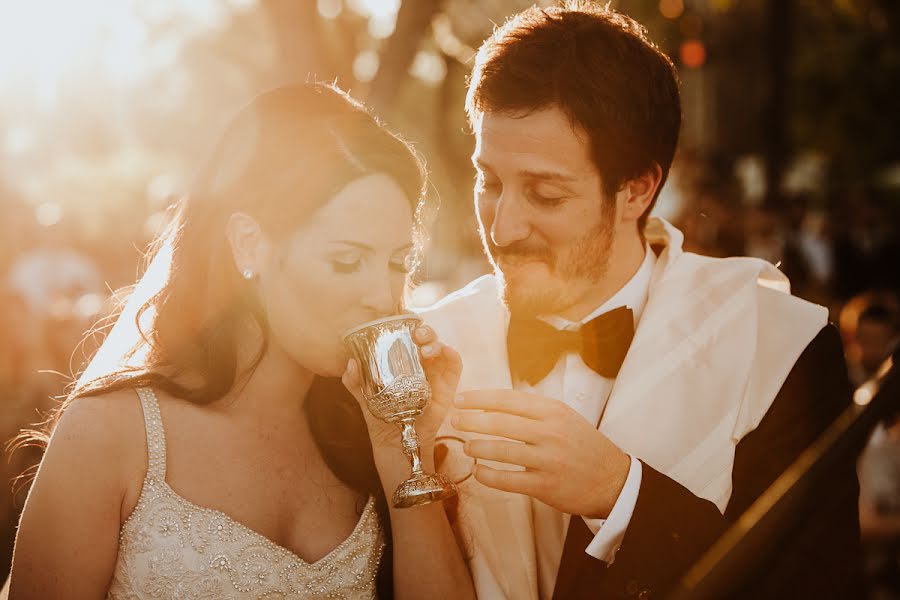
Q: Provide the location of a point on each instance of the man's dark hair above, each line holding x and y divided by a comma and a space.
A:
879, 313
597, 66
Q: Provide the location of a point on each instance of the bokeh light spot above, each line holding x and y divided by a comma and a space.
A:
365, 65
329, 9
692, 54
48, 214
429, 67
671, 9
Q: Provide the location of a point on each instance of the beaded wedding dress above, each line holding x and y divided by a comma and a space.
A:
170, 548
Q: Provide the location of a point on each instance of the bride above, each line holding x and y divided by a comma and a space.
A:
260, 476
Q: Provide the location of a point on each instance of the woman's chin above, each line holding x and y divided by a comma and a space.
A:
335, 368
327, 361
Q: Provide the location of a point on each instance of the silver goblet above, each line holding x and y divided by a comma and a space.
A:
396, 391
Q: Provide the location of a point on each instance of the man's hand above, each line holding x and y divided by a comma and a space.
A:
569, 465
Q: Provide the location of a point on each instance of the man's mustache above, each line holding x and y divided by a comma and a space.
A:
520, 251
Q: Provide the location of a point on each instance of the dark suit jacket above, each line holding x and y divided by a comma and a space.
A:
670, 527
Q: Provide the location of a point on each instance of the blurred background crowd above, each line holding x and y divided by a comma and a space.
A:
789, 152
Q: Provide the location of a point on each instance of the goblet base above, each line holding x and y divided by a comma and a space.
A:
424, 488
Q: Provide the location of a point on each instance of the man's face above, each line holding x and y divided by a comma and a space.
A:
874, 339
546, 225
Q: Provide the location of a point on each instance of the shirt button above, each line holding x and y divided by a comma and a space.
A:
581, 396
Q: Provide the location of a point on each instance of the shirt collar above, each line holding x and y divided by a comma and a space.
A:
633, 295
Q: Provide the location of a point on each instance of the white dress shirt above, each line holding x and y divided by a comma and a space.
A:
587, 392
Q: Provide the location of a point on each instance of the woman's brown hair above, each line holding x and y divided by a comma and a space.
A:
284, 155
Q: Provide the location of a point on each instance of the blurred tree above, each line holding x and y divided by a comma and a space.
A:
846, 77
780, 16
298, 40
413, 23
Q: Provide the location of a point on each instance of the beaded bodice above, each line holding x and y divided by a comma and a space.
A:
172, 548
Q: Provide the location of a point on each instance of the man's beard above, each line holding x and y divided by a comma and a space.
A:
584, 261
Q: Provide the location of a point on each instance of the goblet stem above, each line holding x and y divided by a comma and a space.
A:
421, 487
411, 444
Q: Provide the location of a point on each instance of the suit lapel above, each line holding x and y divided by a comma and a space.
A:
575, 564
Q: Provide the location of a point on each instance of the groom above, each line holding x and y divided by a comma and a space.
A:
623, 400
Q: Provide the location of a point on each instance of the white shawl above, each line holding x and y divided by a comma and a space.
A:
716, 341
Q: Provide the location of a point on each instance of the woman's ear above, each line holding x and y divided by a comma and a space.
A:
248, 244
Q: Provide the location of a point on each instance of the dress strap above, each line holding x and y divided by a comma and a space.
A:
156, 437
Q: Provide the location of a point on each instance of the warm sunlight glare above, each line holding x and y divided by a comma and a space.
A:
40, 40
45, 42
377, 8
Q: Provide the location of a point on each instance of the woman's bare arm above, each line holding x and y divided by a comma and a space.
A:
67, 541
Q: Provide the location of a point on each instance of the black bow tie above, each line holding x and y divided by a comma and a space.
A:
534, 346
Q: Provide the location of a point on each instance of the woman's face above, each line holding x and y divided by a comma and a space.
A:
344, 266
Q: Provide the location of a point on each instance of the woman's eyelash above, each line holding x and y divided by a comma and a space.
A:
345, 267
401, 267
353, 267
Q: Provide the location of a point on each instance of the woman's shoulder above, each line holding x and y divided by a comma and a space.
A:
103, 417
103, 431
114, 414
105, 434
74, 511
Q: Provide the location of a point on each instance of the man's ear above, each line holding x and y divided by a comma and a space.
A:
637, 193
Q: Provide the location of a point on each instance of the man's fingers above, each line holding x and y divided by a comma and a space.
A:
499, 424
518, 482
508, 401
514, 453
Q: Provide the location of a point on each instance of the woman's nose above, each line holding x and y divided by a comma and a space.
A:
379, 297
